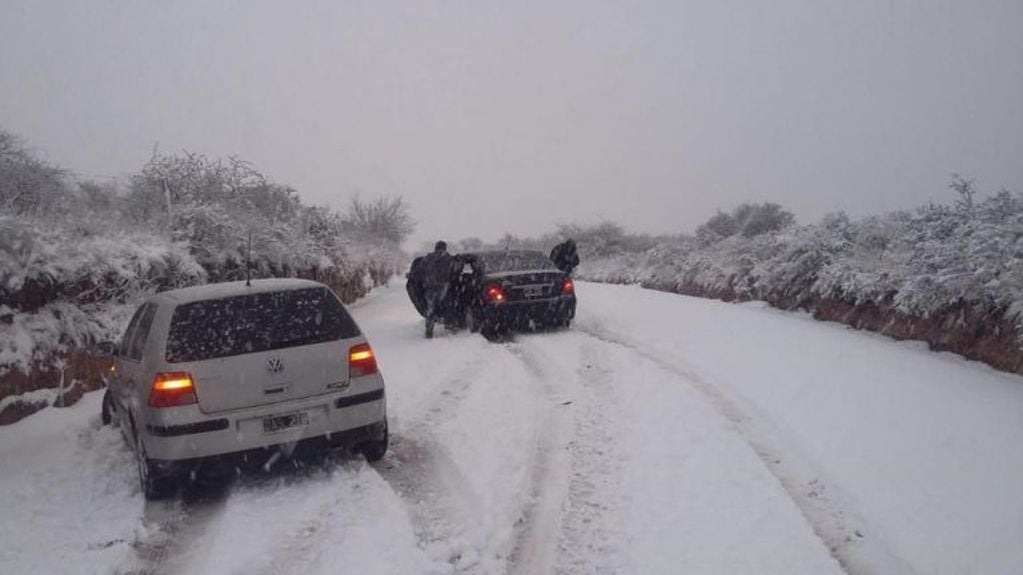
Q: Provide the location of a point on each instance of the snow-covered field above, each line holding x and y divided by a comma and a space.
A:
660, 434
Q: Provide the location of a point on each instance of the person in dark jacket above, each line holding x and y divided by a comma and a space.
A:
436, 270
564, 256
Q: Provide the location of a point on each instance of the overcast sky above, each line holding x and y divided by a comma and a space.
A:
515, 116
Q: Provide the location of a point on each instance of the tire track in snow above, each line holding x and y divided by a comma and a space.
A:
439, 500
591, 536
445, 403
300, 549
573, 526
419, 469
534, 549
828, 512
171, 528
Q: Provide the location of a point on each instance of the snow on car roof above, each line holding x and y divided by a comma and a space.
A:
501, 261
501, 253
229, 289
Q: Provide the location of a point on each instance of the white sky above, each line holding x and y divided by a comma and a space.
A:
514, 116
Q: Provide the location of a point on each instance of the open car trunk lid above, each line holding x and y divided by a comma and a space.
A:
263, 348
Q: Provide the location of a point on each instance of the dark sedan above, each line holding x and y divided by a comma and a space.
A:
500, 291
495, 292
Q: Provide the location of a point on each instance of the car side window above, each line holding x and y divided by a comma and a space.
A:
122, 350
138, 339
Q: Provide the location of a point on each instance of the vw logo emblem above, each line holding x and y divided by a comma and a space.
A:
275, 365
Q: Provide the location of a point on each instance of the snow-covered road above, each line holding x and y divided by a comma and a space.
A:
661, 434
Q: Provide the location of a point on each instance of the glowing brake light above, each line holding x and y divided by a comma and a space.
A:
361, 355
568, 288
494, 293
171, 389
361, 361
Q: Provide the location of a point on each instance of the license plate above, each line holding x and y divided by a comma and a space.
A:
279, 422
533, 291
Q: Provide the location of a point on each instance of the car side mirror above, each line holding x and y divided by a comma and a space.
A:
106, 349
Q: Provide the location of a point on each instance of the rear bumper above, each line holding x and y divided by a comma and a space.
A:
189, 434
520, 314
252, 459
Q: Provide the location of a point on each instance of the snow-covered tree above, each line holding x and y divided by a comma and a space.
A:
387, 218
28, 185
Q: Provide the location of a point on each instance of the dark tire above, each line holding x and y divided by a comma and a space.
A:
154, 486
554, 324
374, 450
472, 321
106, 414
493, 334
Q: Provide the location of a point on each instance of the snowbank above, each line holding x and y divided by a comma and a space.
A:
64, 289
77, 257
948, 275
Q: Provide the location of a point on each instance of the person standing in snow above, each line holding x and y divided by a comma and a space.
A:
436, 270
564, 256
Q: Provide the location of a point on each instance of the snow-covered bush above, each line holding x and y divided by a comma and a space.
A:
947, 262
60, 288
383, 219
28, 185
76, 258
747, 220
920, 262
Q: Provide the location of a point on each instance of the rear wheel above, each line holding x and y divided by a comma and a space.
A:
106, 414
472, 320
375, 449
493, 333
154, 486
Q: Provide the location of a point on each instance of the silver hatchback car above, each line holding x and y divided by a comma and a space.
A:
215, 376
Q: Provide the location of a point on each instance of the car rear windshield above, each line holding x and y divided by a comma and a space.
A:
516, 261
257, 322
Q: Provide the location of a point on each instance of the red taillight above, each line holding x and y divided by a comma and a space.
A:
568, 288
361, 361
171, 389
493, 293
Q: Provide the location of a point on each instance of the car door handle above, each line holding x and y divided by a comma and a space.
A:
275, 389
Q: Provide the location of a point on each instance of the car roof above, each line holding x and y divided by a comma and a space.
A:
230, 289
502, 253
499, 255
